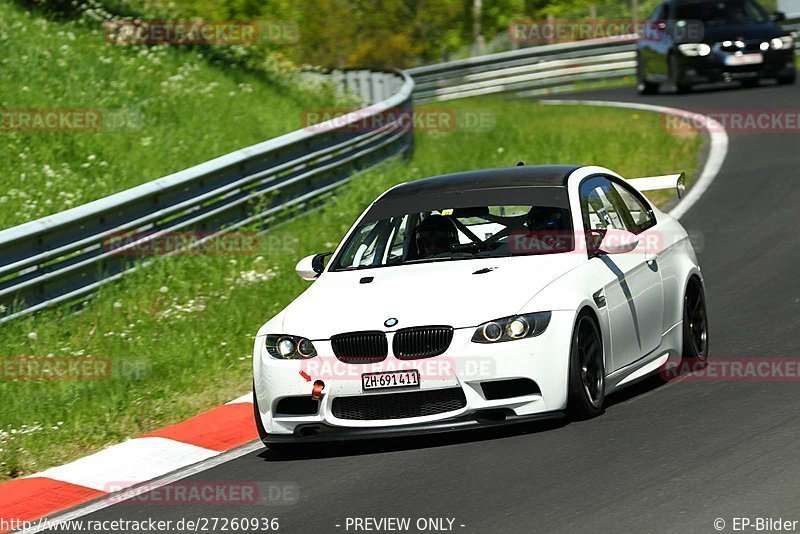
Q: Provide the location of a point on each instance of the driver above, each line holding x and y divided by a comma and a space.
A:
435, 235
545, 219
549, 226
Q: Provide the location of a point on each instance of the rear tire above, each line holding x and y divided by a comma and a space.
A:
787, 80
695, 324
587, 379
750, 83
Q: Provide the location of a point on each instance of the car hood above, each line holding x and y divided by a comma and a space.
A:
747, 32
456, 293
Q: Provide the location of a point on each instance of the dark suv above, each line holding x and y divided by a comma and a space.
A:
689, 42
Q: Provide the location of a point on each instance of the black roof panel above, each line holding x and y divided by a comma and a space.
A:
529, 176
541, 185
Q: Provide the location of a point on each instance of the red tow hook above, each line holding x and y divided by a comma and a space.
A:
316, 393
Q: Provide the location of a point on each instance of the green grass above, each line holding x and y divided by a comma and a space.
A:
179, 334
180, 109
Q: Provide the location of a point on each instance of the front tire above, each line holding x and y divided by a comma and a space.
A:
587, 372
642, 85
695, 323
676, 76
262, 432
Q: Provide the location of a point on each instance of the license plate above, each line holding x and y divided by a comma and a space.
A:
745, 59
394, 379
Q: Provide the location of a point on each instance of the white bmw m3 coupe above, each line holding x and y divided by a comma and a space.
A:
482, 298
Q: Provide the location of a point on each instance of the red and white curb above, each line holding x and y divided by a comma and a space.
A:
128, 464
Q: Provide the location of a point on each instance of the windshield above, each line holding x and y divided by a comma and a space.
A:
722, 12
457, 234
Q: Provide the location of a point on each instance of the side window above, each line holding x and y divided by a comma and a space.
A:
601, 206
367, 249
641, 216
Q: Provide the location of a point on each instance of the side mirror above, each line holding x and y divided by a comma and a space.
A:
611, 241
310, 267
778, 16
618, 242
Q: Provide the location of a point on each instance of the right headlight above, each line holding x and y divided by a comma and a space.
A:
512, 328
284, 347
694, 49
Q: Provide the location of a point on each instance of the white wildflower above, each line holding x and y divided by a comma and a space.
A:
178, 311
252, 277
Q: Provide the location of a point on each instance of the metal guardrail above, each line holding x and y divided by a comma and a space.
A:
538, 67
66, 255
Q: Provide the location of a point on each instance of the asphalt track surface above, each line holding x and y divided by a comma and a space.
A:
670, 458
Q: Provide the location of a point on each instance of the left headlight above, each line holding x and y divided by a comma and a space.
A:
512, 328
779, 43
694, 49
285, 347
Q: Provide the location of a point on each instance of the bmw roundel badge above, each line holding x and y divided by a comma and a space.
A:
390, 322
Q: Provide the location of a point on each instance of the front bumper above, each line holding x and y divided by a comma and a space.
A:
465, 367
320, 432
713, 68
